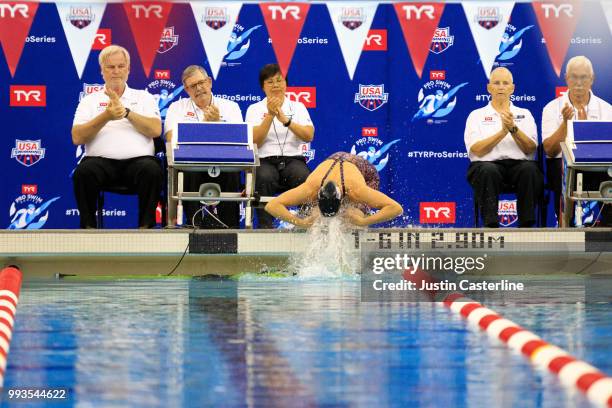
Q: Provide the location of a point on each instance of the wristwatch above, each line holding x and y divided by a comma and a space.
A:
287, 123
127, 112
513, 129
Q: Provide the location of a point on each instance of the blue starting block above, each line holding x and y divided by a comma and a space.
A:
587, 148
214, 148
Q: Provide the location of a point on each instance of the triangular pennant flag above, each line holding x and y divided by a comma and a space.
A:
488, 21
147, 21
352, 21
15, 22
558, 22
215, 23
80, 22
284, 22
419, 22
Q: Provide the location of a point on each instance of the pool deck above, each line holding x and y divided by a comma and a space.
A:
43, 253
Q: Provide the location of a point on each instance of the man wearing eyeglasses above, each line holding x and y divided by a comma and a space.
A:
280, 128
203, 106
578, 103
117, 126
501, 140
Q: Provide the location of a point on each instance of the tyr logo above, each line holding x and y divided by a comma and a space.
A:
427, 10
12, 10
294, 11
28, 95
156, 9
376, 41
567, 9
306, 94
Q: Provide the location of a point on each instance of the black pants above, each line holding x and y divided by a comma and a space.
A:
487, 180
276, 174
590, 182
142, 174
226, 211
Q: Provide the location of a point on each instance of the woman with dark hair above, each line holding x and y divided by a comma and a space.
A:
280, 128
340, 180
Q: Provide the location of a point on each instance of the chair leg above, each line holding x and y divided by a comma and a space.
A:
99, 214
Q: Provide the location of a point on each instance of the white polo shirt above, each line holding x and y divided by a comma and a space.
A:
596, 109
280, 141
185, 110
118, 139
484, 122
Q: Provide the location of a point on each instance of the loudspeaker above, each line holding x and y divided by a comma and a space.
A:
210, 190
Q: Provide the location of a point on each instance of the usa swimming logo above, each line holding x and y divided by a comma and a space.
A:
239, 44
89, 89
506, 211
511, 43
80, 17
307, 152
374, 150
437, 99
488, 17
441, 41
371, 97
167, 41
28, 152
352, 17
29, 210
215, 17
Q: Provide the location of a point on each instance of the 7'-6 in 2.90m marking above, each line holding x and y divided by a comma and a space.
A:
434, 240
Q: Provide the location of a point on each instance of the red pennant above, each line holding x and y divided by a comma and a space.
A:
419, 22
284, 22
15, 22
147, 21
558, 22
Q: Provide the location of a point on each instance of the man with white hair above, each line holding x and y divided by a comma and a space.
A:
579, 103
117, 125
501, 140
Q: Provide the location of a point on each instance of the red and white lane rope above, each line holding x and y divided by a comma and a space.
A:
572, 372
10, 283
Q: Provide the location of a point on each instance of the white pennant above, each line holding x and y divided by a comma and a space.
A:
215, 22
495, 15
352, 21
80, 22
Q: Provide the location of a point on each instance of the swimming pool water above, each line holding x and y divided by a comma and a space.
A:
282, 343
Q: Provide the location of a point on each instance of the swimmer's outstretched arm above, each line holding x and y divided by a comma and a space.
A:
302, 194
387, 207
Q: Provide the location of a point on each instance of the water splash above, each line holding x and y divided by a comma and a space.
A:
330, 252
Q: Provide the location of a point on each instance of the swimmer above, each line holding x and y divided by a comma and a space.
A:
340, 180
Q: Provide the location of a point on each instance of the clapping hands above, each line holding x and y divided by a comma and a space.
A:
115, 108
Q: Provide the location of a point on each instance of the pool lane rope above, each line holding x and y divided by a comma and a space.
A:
572, 372
10, 282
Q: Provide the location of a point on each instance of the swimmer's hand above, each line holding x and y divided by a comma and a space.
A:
307, 221
356, 217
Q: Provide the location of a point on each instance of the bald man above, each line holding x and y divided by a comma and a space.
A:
579, 103
501, 140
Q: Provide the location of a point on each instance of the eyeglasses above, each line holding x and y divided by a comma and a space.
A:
579, 78
272, 81
198, 84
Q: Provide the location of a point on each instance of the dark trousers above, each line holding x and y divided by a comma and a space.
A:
227, 212
141, 174
277, 174
488, 178
590, 182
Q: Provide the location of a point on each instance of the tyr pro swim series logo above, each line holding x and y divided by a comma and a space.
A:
164, 91
372, 148
437, 98
28, 152
511, 43
371, 97
167, 41
239, 44
29, 210
81, 17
